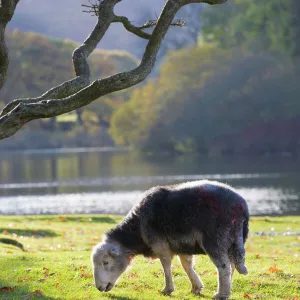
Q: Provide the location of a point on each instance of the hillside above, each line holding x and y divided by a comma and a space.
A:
236, 92
68, 21
38, 63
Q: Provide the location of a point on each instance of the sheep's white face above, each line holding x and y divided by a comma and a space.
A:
108, 265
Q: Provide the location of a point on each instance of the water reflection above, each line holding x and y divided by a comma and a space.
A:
132, 180
111, 182
261, 201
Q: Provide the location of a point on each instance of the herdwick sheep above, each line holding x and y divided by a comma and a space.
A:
199, 217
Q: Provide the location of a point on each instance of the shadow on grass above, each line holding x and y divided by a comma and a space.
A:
202, 296
274, 220
103, 220
67, 218
9, 291
40, 233
91, 219
75, 219
122, 297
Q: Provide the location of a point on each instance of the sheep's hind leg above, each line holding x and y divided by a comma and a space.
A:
224, 273
187, 264
232, 264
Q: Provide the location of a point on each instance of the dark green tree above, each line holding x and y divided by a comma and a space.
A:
270, 25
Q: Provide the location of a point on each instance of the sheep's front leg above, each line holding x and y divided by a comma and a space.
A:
187, 264
166, 262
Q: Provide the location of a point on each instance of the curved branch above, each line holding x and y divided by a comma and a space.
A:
12, 121
131, 28
61, 91
139, 30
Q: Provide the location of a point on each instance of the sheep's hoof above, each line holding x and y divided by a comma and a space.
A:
197, 290
220, 297
167, 291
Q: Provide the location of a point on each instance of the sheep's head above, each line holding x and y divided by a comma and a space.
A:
109, 262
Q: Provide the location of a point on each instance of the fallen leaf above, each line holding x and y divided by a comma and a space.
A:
257, 255
38, 293
274, 269
157, 274
255, 283
9, 252
248, 296
133, 275
6, 289
82, 267
204, 272
45, 269
86, 275
62, 218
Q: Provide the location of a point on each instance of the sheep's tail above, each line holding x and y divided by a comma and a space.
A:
241, 234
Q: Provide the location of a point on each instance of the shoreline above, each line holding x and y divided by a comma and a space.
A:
128, 149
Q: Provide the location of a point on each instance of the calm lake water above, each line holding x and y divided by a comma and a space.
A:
97, 181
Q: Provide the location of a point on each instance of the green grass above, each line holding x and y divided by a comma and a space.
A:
57, 262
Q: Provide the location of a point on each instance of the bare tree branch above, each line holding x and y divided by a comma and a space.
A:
136, 30
12, 120
93, 7
139, 30
63, 90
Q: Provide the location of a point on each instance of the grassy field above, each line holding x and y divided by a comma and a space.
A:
56, 264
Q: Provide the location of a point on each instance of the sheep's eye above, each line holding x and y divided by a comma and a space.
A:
105, 263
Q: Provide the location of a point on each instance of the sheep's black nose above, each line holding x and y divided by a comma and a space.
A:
101, 289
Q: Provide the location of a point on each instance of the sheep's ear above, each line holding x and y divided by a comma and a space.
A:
114, 252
